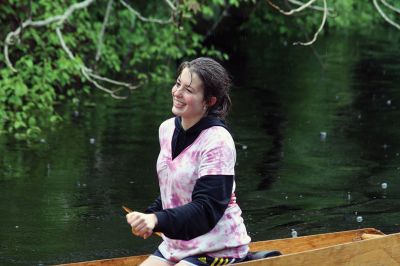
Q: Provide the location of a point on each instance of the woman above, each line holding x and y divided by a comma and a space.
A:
196, 212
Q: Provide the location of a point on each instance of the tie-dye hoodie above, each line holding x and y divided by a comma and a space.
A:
212, 153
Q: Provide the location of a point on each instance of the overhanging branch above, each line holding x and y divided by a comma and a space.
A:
397, 10
301, 8
291, 12
88, 73
103, 30
319, 29
391, 22
153, 20
318, 8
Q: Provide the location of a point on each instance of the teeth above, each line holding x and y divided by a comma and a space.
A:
178, 104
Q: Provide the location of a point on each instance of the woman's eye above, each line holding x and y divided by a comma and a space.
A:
189, 90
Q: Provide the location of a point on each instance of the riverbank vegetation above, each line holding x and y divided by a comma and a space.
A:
57, 52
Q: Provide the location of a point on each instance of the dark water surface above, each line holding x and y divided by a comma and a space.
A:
317, 134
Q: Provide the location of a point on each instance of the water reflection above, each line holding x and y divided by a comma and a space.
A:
321, 138
324, 182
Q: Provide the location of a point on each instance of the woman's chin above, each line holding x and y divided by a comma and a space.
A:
176, 111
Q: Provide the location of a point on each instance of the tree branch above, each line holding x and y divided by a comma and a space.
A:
318, 8
391, 22
13, 36
223, 14
291, 12
139, 16
319, 30
171, 5
103, 29
390, 6
88, 73
301, 8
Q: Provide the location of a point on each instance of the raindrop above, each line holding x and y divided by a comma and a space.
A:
294, 233
16, 227
385, 146
244, 147
359, 116
337, 97
359, 219
42, 140
92, 140
322, 135
384, 185
348, 195
76, 113
286, 197
389, 102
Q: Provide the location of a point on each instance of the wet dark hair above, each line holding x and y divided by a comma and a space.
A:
216, 82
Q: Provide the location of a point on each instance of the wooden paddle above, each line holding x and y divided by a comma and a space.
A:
133, 231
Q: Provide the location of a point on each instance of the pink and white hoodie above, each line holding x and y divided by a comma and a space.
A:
212, 153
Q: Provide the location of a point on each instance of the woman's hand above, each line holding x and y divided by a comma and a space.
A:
142, 223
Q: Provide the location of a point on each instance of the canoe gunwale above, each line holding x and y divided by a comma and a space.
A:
374, 251
288, 246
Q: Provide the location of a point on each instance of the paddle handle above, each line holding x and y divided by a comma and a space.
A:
129, 211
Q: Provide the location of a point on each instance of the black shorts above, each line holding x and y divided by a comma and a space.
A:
200, 260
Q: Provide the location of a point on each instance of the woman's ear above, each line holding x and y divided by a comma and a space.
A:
212, 101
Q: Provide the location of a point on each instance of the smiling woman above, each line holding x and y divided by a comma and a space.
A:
196, 212
188, 98
203, 87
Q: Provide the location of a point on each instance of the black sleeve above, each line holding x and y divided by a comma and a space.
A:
210, 198
156, 206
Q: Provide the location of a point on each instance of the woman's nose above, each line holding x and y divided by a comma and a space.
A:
176, 92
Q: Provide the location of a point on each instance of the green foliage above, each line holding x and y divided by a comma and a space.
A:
355, 14
134, 50
348, 15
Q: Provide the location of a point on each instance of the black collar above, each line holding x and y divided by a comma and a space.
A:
183, 138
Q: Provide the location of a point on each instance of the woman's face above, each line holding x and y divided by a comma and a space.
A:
188, 98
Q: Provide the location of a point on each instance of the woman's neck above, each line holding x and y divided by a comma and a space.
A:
188, 123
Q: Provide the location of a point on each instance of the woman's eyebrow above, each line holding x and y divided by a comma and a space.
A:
179, 80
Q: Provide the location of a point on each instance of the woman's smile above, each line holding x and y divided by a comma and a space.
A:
178, 104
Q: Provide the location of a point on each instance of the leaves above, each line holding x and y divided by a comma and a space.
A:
48, 76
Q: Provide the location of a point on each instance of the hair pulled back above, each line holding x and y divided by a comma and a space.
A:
216, 83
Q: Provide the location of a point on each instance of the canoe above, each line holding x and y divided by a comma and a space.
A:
366, 246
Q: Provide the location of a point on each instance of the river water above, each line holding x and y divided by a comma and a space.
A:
318, 150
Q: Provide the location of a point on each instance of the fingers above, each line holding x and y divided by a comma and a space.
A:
132, 217
146, 235
142, 232
142, 224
